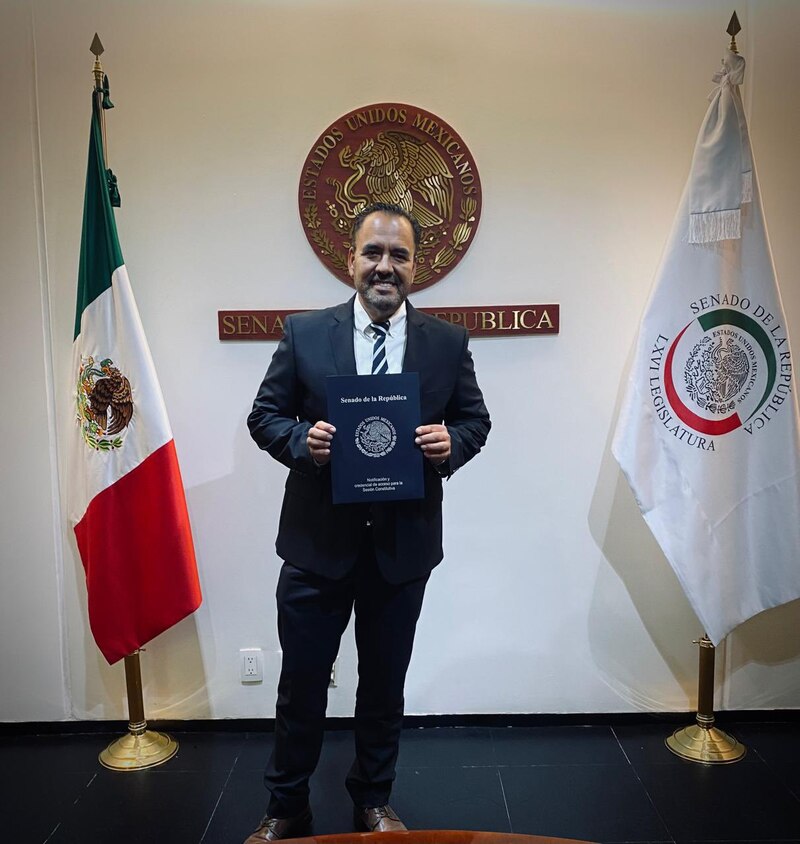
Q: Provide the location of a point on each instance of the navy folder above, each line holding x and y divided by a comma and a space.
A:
373, 455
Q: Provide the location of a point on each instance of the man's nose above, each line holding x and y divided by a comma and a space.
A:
384, 265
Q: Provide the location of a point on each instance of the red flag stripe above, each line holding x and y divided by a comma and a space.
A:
136, 545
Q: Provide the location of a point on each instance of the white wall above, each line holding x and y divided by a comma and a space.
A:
582, 117
33, 683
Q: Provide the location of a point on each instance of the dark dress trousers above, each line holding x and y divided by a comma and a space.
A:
376, 557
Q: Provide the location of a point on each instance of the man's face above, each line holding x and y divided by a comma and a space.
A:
381, 263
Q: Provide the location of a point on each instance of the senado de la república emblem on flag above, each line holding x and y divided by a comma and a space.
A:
727, 369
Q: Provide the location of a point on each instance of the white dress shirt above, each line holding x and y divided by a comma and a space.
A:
364, 339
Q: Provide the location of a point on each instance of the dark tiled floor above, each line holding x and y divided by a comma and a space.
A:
598, 783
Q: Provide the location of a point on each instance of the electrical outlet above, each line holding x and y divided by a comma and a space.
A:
334, 672
251, 665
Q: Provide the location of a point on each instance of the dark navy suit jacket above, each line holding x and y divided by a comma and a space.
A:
316, 535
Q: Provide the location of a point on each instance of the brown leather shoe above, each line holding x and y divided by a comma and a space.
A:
274, 829
377, 819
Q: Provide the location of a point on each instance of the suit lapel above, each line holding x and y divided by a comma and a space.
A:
341, 335
416, 341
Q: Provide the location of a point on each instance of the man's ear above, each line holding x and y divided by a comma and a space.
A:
351, 257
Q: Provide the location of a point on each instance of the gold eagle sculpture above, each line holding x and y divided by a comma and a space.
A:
401, 169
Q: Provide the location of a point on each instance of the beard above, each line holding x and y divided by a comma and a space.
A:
383, 304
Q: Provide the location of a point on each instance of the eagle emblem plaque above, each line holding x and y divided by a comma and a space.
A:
397, 153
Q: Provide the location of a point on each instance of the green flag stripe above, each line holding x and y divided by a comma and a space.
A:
100, 251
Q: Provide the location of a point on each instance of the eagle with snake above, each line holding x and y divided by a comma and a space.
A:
111, 391
400, 169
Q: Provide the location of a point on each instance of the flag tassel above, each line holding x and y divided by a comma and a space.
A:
712, 226
140, 748
702, 741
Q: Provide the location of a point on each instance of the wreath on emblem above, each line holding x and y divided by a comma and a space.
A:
375, 436
398, 154
715, 374
104, 404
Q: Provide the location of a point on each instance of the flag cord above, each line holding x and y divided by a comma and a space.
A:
99, 95
97, 71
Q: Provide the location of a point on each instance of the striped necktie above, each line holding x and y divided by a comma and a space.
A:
380, 366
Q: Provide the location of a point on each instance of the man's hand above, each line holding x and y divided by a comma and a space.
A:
319, 442
434, 440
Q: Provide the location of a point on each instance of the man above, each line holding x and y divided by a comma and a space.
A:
375, 557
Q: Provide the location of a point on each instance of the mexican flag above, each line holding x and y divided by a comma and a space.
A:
125, 495
708, 431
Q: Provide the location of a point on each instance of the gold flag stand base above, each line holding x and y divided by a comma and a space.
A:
705, 744
702, 741
140, 748
137, 751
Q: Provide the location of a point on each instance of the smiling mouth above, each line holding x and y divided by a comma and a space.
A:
379, 283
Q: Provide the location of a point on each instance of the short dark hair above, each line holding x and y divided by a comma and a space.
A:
391, 210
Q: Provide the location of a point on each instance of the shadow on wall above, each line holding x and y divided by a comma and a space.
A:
630, 653
765, 642
235, 528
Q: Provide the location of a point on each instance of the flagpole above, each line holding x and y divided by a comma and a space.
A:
139, 748
97, 71
702, 741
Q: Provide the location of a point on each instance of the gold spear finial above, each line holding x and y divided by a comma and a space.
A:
97, 70
734, 28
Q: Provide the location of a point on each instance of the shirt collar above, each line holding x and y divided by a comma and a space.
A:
362, 320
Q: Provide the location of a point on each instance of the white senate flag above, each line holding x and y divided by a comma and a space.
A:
708, 432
